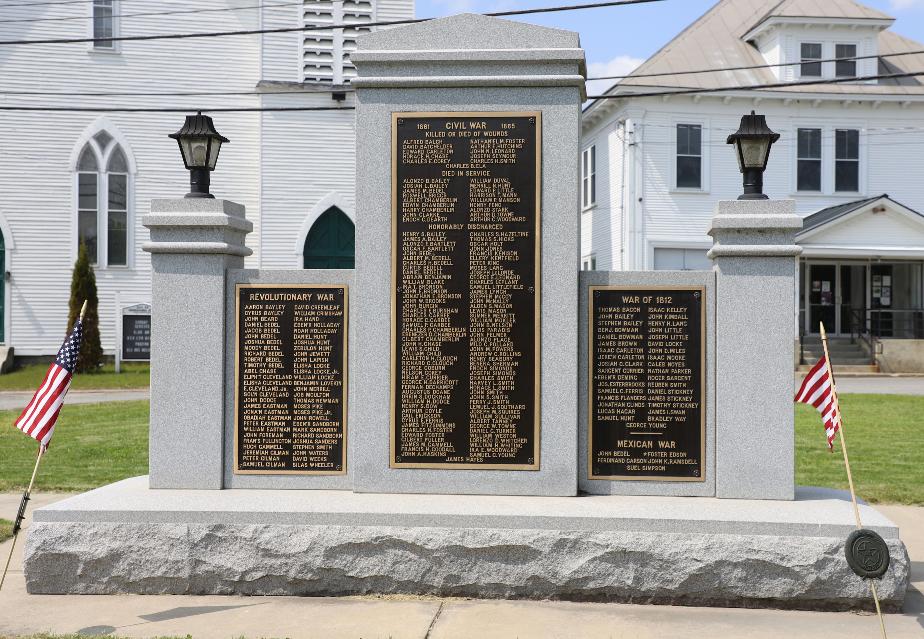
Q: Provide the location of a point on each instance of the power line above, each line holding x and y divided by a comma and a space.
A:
326, 90
170, 109
178, 94
378, 23
752, 66
43, 4
751, 87
151, 13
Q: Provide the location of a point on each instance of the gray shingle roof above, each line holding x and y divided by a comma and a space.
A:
831, 213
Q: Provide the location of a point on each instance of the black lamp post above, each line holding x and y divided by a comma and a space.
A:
199, 143
752, 141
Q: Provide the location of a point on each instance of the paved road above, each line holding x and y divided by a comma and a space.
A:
10, 400
878, 384
421, 618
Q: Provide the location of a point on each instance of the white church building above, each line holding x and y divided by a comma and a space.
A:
68, 176
850, 154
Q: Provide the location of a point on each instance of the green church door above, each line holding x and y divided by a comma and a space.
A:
330, 242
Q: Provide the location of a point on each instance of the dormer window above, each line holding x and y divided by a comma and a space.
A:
845, 68
811, 60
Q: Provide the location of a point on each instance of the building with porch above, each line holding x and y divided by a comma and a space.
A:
653, 167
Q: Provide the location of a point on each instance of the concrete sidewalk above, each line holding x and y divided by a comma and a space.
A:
224, 617
10, 400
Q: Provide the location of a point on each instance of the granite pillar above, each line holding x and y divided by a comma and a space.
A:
193, 242
468, 64
754, 254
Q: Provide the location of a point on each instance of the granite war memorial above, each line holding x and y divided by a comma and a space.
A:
467, 414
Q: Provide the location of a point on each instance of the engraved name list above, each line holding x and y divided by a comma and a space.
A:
465, 284
290, 391
646, 384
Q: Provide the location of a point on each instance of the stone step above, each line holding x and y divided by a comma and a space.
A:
817, 352
847, 369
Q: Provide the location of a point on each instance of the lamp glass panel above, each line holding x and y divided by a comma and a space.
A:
754, 152
195, 151
213, 153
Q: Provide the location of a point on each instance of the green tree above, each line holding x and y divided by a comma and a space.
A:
83, 287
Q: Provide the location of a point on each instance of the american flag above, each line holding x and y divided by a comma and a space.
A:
39, 417
818, 390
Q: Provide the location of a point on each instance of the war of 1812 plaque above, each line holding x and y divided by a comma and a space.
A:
465, 285
291, 378
647, 383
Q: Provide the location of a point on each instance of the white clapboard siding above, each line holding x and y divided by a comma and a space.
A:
285, 163
37, 184
891, 145
306, 162
861, 229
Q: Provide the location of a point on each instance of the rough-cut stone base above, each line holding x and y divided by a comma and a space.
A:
101, 551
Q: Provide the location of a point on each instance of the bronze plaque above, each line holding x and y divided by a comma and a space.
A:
465, 286
290, 379
647, 383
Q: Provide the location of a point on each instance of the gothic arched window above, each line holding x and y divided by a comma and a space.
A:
103, 186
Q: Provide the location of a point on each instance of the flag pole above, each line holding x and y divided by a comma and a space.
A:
21, 514
853, 493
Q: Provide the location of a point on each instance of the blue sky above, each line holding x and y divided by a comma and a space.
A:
617, 38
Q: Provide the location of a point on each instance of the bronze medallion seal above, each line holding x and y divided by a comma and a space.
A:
867, 554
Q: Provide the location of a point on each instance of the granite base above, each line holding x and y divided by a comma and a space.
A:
128, 538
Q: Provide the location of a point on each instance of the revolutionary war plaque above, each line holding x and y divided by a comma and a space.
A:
647, 376
465, 278
290, 386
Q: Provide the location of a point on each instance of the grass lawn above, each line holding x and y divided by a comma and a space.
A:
96, 444
885, 442
28, 378
93, 444
6, 529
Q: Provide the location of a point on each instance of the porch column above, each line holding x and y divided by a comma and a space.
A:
755, 259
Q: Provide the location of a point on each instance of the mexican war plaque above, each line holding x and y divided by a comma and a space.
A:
290, 390
647, 383
465, 277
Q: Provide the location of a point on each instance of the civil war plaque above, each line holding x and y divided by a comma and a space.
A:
291, 379
647, 383
465, 286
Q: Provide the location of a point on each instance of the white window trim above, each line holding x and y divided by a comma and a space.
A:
116, 47
828, 161
662, 242
704, 156
102, 195
800, 60
591, 153
861, 163
856, 52
795, 159
828, 52
589, 262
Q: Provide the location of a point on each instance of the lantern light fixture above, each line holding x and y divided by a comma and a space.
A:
199, 145
752, 141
